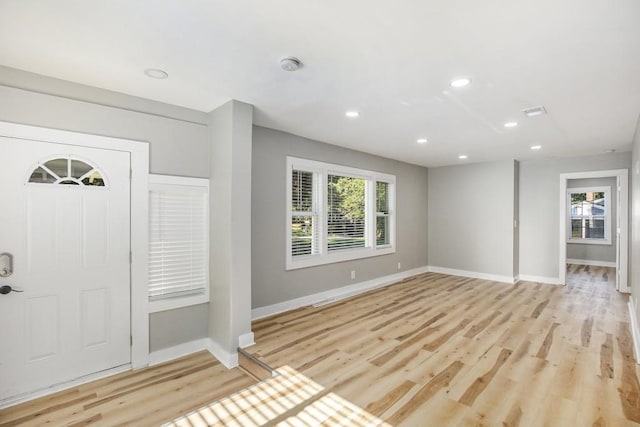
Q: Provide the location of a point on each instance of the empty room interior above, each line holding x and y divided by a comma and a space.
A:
319, 213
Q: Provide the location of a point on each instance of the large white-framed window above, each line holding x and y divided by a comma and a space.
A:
337, 213
589, 215
178, 242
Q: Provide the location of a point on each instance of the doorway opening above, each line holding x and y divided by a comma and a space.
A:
594, 224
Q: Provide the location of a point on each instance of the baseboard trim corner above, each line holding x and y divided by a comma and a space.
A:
228, 359
334, 294
246, 340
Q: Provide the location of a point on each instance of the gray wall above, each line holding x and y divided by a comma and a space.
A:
634, 259
592, 252
540, 209
271, 283
471, 217
178, 144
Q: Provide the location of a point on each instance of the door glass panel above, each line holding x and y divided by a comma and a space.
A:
42, 176
79, 169
94, 179
67, 171
58, 166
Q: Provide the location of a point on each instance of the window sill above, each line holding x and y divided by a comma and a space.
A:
341, 256
177, 302
589, 242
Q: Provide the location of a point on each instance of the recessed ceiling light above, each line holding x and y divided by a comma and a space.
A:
536, 147
609, 150
290, 64
156, 73
460, 82
352, 114
422, 141
463, 157
534, 111
511, 124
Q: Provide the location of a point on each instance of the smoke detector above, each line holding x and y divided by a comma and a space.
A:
290, 63
534, 111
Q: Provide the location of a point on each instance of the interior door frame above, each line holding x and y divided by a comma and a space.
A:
139, 205
622, 221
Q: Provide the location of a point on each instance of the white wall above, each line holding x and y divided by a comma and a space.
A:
471, 218
540, 209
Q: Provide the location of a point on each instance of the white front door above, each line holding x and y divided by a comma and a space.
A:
64, 243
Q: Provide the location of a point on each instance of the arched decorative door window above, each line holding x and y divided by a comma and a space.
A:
67, 171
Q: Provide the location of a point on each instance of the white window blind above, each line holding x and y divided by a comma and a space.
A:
304, 214
178, 237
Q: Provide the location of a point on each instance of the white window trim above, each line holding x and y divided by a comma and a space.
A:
170, 303
321, 170
607, 209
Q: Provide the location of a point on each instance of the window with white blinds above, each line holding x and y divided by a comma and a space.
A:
304, 214
337, 213
178, 241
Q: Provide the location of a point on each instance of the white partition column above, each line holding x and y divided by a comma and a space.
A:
230, 230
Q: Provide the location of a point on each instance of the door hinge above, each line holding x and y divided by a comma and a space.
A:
130, 257
131, 339
130, 174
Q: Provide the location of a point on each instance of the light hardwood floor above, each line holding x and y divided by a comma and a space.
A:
438, 350
433, 350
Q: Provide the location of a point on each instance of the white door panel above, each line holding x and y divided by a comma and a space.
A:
70, 245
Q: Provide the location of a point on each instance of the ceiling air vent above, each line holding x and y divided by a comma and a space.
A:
534, 111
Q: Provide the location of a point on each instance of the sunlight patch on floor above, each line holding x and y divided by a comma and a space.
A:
288, 399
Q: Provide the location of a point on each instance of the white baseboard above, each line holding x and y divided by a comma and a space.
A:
228, 359
593, 263
472, 274
246, 340
334, 294
539, 279
170, 353
635, 332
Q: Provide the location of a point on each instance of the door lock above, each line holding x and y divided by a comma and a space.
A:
6, 264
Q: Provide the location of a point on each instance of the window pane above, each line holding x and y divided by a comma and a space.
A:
346, 212
94, 179
576, 228
595, 228
42, 176
59, 167
382, 198
382, 230
302, 191
302, 235
78, 168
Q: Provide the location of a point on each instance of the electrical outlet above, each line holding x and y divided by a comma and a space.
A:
353, 274
399, 266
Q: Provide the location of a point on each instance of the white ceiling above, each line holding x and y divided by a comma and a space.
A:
392, 61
